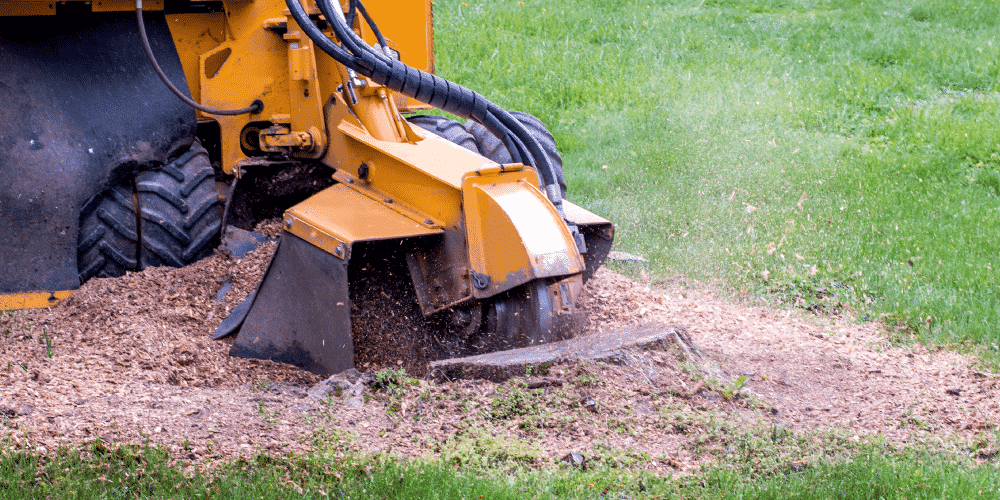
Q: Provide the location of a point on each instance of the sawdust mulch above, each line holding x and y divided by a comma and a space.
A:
129, 359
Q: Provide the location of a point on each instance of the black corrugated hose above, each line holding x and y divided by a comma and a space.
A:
425, 87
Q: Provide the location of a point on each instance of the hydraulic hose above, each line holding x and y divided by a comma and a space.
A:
356, 4
255, 107
355, 54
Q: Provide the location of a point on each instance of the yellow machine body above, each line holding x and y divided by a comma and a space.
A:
472, 230
241, 52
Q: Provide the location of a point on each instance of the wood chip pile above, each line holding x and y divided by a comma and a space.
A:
130, 358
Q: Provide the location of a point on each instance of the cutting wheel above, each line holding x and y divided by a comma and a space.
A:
532, 314
389, 329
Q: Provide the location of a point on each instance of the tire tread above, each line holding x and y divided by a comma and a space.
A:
179, 210
446, 128
493, 148
107, 244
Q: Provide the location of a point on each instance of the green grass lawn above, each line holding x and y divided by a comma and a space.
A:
825, 154
98, 472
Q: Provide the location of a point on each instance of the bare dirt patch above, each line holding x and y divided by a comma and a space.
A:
129, 359
820, 371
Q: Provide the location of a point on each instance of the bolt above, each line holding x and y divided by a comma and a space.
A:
480, 281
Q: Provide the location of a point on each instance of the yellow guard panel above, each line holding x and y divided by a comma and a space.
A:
31, 300
407, 26
514, 233
336, 217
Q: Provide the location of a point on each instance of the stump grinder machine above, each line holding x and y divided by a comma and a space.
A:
140, 134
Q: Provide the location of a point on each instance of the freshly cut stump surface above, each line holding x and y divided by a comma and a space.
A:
596, 346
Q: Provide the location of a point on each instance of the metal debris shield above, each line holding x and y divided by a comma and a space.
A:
300, 313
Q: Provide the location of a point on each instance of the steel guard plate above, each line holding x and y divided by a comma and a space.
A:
300, 313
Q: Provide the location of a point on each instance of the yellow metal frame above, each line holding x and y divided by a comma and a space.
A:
31, 300
394, 181
256, 51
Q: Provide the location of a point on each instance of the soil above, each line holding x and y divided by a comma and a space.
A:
129, 360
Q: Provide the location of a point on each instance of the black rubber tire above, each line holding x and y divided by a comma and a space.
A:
493, 148
175, 211
108, 242
446, 128
180, 211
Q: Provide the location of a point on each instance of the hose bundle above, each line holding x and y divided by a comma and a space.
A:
358, 56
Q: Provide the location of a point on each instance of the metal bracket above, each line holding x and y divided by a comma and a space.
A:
280, 139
